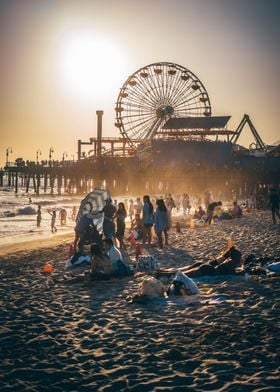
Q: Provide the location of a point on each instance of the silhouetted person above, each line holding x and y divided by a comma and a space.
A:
274, 204
53, 219
63, 216
109, 228
39, 216
210, 211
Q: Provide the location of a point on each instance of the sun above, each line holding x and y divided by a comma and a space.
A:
91, 66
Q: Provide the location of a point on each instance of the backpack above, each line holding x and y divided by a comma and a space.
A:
147, 263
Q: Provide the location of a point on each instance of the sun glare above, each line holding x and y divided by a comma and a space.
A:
91, 66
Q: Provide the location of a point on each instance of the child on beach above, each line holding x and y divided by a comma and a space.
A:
137, 227
39, 216
63, 216
53, 219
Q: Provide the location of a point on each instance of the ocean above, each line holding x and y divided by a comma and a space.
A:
18, 215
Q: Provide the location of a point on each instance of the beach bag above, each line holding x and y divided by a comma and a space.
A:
147, 263
187, 282
151, 287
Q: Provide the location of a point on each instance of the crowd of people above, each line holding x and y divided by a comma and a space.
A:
144, 219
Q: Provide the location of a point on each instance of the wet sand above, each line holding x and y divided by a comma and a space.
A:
60, 336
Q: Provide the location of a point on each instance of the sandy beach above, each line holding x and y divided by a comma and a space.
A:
60, 336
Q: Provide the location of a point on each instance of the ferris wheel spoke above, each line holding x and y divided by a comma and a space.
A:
153, 84
142, 96
144, 87
184, 88
172, 80
141, 130
138, 106
136, 115
186, 91
139, 124
189, 99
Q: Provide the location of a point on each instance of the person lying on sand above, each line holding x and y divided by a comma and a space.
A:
225, 264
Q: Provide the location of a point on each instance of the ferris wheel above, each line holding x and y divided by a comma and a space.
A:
155, 93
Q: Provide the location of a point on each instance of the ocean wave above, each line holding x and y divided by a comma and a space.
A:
7, 214
21, 211
27, 211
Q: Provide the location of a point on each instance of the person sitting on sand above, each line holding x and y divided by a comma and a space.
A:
225, 264
199, 213
236, 211
119, 268
101, 266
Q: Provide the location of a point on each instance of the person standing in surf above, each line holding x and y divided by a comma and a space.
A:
39, 216
53, 219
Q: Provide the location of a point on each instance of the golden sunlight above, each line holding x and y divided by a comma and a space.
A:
90, 65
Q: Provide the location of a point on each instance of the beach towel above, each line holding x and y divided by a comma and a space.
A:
77, 259
274, 267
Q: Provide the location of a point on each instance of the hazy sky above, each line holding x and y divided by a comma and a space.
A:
49, 98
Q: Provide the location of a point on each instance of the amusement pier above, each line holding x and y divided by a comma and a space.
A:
169, 142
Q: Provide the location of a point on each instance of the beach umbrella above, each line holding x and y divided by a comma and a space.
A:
92, 204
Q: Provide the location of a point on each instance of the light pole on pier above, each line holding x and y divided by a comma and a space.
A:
8, 151
51, 152
50, 155
65, 154
38, 152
